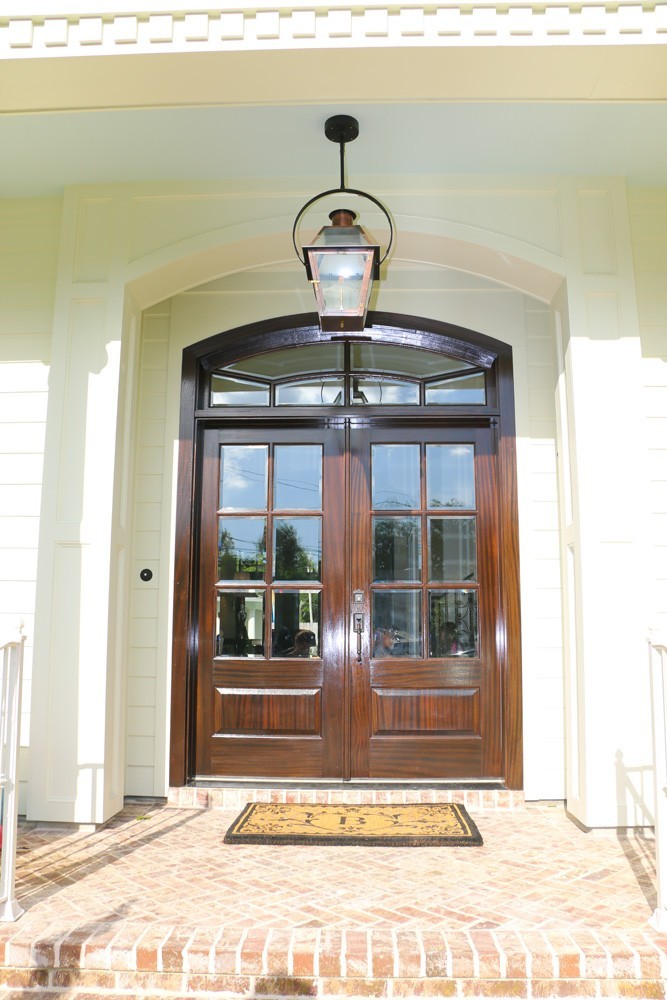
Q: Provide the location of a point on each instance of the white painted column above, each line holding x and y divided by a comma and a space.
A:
603, 478
76, 704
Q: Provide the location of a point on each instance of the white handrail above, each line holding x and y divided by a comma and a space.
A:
658, 664
11, 662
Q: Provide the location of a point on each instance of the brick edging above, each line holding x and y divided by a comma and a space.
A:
111, 952
477, 799
88, 984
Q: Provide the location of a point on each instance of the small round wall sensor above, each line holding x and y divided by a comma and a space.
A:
146, 575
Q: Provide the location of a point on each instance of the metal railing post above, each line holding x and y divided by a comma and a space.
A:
658, 663
12, 668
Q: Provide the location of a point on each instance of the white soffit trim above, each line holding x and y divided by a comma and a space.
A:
88, 28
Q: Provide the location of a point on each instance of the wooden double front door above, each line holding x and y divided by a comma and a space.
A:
348, 602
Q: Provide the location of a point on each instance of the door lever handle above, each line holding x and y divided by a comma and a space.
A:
358, 626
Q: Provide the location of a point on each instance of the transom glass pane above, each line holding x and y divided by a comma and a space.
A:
312, 392
397, 360
396, 549
452, 548
296, 623
318, 375
243, 479
236, 392
239, 623
461, 391
395, 476
450, 476
309, 359
453, 628
241, 548
396, 623
297, 548
384, 392
297, 477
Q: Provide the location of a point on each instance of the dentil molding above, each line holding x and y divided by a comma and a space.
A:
88, 28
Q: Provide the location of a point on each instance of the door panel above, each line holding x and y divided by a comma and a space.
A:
307, 530
425, 691
271, 572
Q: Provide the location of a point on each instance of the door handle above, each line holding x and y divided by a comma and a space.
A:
358, 626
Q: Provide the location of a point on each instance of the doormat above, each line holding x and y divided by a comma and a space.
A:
444, 824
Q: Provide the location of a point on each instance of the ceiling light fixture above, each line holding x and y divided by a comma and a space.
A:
343, 261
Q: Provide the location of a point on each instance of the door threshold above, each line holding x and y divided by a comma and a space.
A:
328, 784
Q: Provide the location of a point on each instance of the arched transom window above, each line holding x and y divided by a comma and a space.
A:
348, 373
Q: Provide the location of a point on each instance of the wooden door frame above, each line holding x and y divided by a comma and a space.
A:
293, 331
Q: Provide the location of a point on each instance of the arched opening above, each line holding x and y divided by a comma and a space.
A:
346, 585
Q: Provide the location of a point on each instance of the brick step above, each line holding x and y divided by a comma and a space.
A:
108, 961
236, 796
74, 985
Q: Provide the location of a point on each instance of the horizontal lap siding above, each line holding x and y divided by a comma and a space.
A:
29, 243
142, 679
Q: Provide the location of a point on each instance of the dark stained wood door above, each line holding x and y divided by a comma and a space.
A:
271, 583
348, 603
424, 685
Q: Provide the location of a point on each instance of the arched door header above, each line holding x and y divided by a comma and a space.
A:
293, 331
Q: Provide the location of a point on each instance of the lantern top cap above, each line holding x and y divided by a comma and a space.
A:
342, 217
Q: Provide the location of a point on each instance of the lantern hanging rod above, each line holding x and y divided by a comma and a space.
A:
342, 129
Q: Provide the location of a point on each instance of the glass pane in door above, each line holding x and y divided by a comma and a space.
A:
396, 549
450, 476
297, 548
297, 479
239, 623
241, 548
243, 477
296, 623
453, 623
452, 548
395, 476
396, 623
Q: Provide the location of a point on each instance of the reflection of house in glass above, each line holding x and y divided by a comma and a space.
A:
296, 616
240, 623
453, 623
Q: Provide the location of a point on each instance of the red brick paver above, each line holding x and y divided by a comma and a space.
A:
155, 904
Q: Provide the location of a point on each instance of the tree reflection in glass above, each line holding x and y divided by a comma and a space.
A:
396, 549
297, 548
452, 548
241, 548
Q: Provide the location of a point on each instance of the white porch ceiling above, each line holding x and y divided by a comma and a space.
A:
259, 115
43, 153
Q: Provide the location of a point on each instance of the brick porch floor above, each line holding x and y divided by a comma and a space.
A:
153, 904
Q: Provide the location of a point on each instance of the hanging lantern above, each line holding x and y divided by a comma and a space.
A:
343, 261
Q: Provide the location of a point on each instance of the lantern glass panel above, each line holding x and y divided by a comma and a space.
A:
342, 280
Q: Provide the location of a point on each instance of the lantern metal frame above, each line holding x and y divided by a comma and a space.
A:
343, 129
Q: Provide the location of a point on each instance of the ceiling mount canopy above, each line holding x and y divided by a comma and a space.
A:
342, 261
